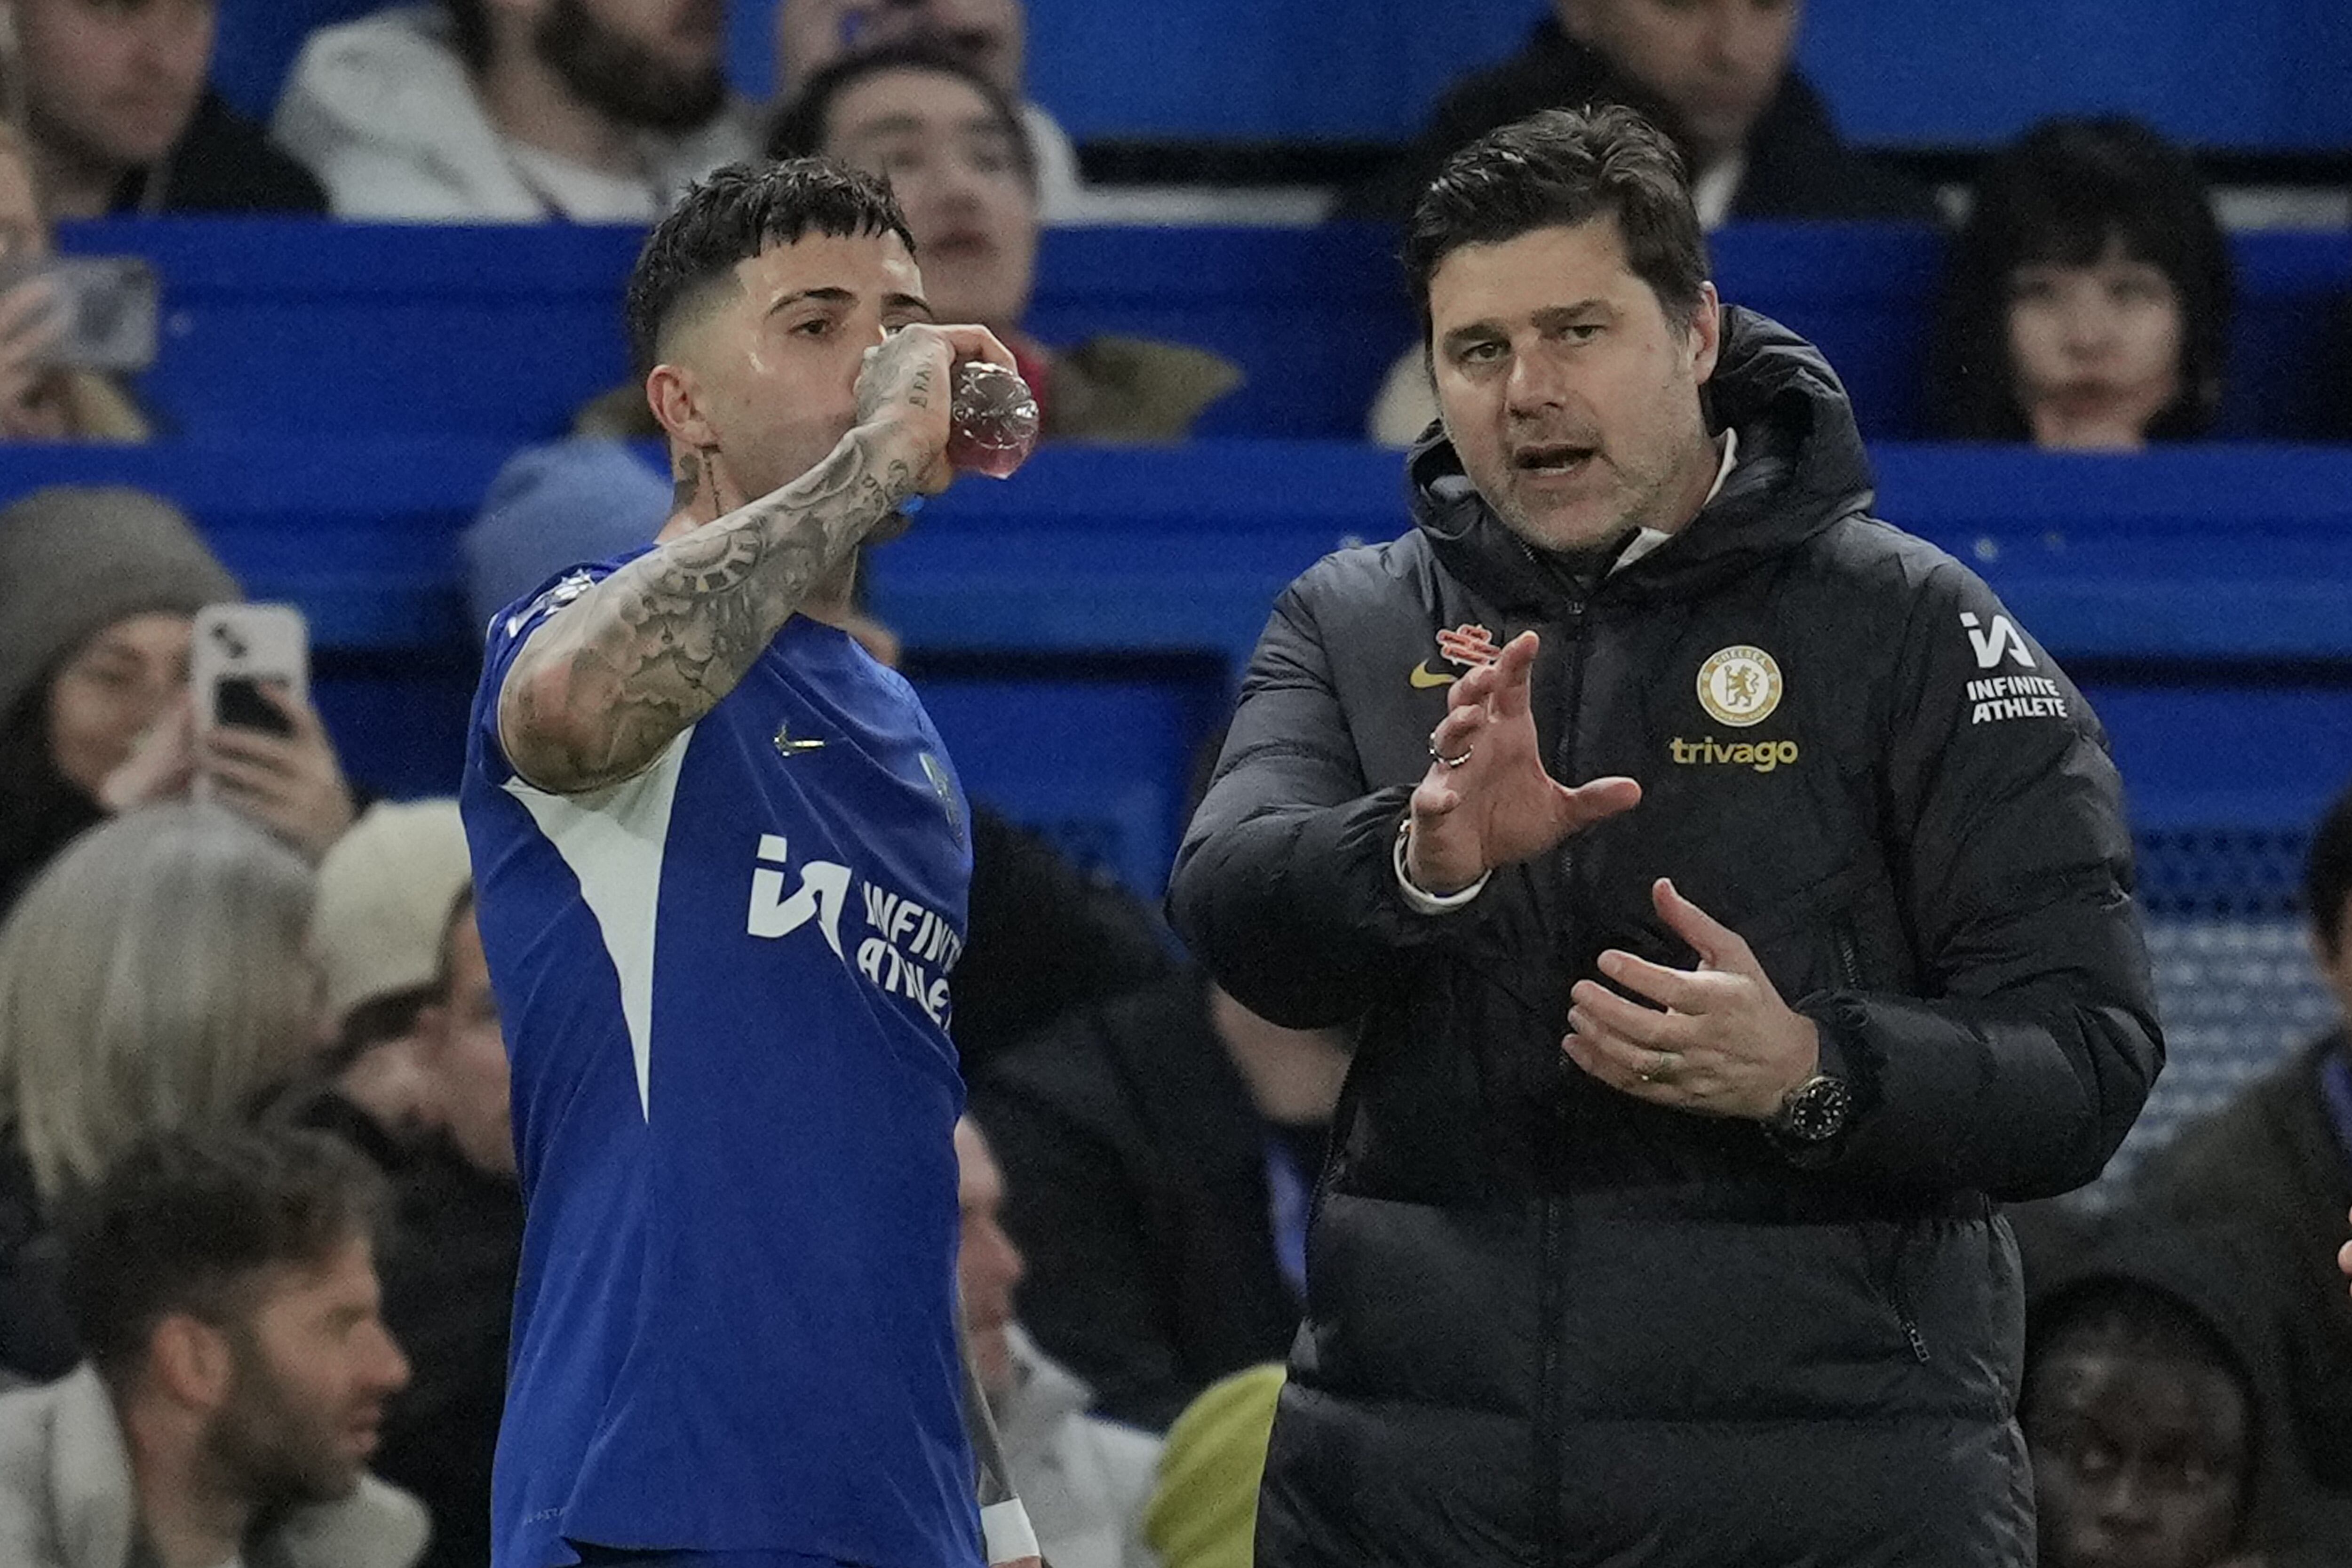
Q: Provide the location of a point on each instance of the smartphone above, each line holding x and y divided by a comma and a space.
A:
110, 308
240, 649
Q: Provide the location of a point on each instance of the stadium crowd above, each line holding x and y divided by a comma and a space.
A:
260, 1222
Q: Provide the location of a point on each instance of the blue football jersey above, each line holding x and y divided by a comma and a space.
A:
725, 996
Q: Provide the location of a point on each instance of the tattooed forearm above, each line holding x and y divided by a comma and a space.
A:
597, 693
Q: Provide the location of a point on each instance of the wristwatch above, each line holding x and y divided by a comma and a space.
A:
1812, 1113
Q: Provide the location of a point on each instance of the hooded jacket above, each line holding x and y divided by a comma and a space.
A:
2203, 1278
1549, 1324
2268, 1173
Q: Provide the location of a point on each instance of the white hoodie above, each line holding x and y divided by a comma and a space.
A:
384, 112
1083, 1480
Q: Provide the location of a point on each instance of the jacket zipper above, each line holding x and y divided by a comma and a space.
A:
1894, 1289
1551, 1442
1849, 959
1905, 1313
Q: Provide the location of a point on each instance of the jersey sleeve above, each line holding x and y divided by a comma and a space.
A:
508, 630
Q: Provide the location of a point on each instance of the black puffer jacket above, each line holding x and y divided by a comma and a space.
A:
1547, 1323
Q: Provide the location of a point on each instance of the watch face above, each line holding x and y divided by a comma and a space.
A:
1816, 1111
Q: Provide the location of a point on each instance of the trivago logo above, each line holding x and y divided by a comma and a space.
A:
1706, 752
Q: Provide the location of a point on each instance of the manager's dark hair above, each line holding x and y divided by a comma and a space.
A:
738, 212
2327, 875
2065, 193
186, 1222
800, 129
1564, 167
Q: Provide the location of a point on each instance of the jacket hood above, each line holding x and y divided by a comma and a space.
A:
1801, 467
2200, 1273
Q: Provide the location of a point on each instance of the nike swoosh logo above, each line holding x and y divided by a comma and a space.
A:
1422, 676
788, 746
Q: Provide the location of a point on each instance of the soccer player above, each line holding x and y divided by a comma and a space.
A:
721, 863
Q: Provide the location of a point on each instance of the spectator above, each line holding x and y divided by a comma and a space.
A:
152, 978
988, 35
961, 167
1084, 1481
387, 891
225, 1288
1160, 1149
2143, 1397
450, 1272
1715, 74
2087, 304
121, 121
98, 589
955, 150
480, 111
2269, 1172
40, 401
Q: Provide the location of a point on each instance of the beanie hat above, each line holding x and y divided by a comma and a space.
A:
1204, 1512
385, 893
75, 558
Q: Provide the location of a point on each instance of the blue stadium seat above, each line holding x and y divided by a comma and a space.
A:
505, 332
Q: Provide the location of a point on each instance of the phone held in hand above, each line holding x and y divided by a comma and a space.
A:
109, 308
240, 649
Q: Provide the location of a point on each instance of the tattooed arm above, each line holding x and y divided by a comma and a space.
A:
613, 677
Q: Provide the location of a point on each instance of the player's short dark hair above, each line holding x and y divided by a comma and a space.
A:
738, 212
2327, 875
186, 1222
2063, 194
1561, 168
800, 127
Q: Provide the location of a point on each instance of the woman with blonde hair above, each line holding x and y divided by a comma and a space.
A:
154, 976
40, 401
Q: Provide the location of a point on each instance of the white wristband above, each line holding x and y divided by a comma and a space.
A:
1420, 900
1005, 1531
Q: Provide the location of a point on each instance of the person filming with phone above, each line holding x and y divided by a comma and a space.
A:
55, 384
100, 593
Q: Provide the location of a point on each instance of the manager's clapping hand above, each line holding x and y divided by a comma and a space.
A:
1719, 1040
1486, 800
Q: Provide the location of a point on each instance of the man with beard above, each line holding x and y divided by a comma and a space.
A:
225, 1287
117, 117
516, 111
1737, 908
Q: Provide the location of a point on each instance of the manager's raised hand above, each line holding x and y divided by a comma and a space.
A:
1487, 800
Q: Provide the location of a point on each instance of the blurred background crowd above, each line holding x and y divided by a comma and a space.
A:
309, 302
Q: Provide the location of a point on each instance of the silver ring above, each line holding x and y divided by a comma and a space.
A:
1656, 1073
1452, 762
